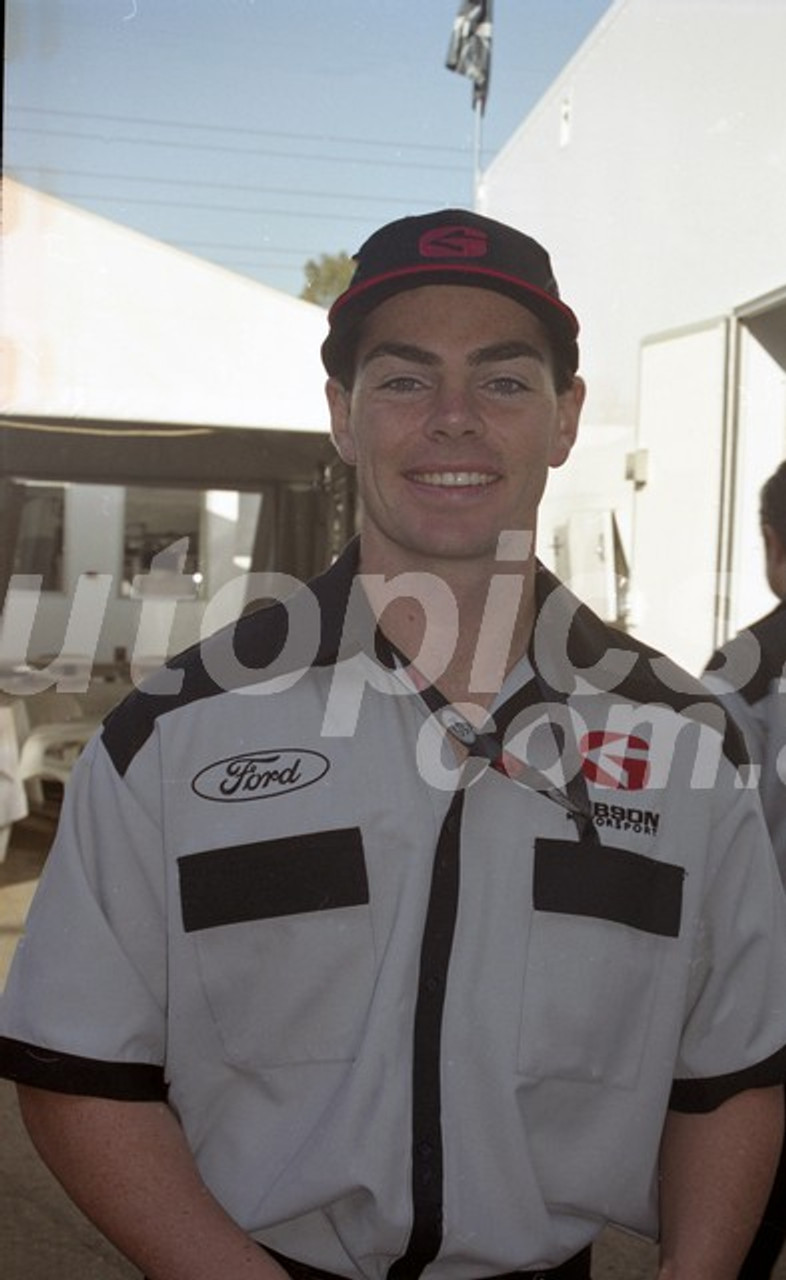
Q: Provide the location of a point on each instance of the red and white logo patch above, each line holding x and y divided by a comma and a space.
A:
618, 760
453, 242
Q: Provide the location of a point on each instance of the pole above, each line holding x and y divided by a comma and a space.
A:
476, 175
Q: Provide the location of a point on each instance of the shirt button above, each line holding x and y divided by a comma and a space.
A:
432, 984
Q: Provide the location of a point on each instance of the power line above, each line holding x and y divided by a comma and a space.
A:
121, 201
226, 149
255, 188
217, 128
249, 248
106, 137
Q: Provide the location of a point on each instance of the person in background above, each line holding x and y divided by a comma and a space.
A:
414, 925
749, 675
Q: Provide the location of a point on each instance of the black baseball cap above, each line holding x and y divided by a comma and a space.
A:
452, 246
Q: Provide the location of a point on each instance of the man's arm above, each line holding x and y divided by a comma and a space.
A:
717, 1169
129, 1169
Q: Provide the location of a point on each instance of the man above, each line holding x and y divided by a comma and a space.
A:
748, 670
747, 674
422, 930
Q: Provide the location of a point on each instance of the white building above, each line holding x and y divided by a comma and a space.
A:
654, 170
149, 399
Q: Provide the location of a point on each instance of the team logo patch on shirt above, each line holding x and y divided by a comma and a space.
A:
618, 760
260, 775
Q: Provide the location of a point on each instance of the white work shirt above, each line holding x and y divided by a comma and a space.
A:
403, 1009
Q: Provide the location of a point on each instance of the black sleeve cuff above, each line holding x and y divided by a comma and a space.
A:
708, 1093
66, 1073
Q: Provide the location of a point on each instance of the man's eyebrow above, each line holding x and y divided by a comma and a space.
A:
404, 351
506, 351
510, 350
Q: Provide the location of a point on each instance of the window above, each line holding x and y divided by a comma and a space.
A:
186, 543
161, 526
39, 544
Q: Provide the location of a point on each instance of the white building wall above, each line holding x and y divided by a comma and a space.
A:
654, 170
102, 322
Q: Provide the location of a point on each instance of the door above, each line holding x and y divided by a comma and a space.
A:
677, 510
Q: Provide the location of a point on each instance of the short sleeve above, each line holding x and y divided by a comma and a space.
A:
88, 977
735, 1029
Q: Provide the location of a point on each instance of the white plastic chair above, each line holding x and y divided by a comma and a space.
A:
13, 795
49, 749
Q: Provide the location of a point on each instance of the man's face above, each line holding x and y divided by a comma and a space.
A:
452, 423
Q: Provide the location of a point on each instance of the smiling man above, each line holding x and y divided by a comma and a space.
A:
458, 936
451, 432
451, 421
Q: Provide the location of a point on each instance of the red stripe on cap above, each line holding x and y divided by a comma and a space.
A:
462, 268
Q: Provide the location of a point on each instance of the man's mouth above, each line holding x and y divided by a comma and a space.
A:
453, 479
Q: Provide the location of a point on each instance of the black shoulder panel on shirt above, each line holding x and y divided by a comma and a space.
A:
239, 655
761, 648
633, 670
129, 725
67, 1073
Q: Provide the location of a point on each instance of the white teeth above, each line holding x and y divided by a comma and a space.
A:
453, 479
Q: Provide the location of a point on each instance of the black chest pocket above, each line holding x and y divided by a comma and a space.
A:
284, 944
603, 919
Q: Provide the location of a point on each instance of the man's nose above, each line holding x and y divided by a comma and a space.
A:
454, 413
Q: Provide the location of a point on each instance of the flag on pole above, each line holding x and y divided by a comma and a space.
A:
469, 52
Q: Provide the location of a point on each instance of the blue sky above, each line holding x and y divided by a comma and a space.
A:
258, 134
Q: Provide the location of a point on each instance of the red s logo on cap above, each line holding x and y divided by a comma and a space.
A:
453, 242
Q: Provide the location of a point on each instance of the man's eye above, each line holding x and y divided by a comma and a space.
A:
505, 385
402, 382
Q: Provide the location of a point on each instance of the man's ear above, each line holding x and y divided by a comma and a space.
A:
569, 405
339, 400
775, 560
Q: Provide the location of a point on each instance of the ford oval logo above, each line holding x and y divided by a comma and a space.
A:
259, 775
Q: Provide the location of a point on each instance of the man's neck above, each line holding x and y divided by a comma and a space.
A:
463, 628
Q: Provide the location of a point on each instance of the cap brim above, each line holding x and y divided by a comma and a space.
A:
356, 303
